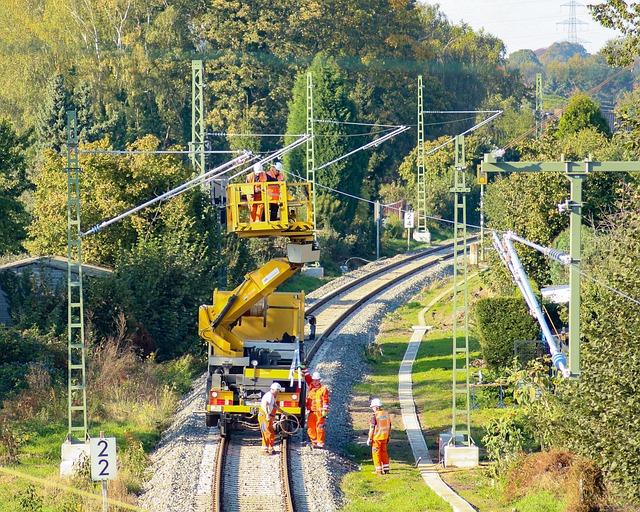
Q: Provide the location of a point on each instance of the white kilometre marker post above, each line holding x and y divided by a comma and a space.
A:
103, 464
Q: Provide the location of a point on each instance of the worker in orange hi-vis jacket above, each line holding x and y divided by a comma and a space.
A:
266, 414
256, 211
318, 407
379, 431
274, 173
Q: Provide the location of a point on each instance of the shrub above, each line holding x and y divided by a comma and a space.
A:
506, 438
501, 321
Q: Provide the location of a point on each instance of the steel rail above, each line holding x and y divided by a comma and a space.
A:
362, 300
217, 474
285, 474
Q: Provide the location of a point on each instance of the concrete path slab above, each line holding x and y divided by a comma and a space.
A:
410, 418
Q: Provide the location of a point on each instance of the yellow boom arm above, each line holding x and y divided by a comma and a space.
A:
216, 321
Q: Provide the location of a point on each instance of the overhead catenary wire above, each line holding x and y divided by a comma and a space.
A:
155, 152
198, 180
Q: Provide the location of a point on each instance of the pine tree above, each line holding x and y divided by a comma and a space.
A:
51, 127
331, 103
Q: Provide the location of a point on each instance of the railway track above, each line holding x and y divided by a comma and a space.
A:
240, 483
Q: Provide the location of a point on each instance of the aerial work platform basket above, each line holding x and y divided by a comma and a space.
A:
276, 208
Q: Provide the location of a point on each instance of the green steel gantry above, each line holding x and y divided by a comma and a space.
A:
76, 350
576, 173
422, 182
538, 113
197, 117
460, 417
311, 154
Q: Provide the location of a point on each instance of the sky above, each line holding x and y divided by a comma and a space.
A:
526, 23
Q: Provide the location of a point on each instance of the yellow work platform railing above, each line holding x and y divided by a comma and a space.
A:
275, 208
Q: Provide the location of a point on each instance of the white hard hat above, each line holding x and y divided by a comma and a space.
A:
376, 403
279, 166
276, 387
316, 376
257, 167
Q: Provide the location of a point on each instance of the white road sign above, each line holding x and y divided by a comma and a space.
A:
409, 219
103, 458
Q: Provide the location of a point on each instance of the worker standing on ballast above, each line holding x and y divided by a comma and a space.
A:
318, 407
379, 432
267, 413
256, 210
274, 173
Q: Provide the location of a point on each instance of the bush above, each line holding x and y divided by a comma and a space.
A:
507, 438
393, 227
501, 321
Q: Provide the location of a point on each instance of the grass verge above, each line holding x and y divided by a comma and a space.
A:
432, 374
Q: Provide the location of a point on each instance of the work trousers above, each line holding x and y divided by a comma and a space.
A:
257, 209
266, 430
380, 455
315, 428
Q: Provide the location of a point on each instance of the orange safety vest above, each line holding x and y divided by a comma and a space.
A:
274, 190
382, 428
317, 399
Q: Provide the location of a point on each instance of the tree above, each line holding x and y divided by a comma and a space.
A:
52, 119
605, 399
624, 17
116, 183
13, 182
581, 112
331, 103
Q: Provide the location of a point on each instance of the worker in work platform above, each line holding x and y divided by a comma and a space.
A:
379, 431
267, 413
274, 173
318, 407
256, 211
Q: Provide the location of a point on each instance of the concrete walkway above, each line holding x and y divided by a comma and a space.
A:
410, 417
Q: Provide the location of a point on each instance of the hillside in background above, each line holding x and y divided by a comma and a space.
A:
568, 68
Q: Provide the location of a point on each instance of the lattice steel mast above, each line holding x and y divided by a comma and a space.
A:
76, 349
311, 154
460, 417
422, 182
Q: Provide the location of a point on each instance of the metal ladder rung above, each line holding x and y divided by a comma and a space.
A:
76, 388
77, 429
76, 366
75, 326
76, 345
461, 349
75, 304
77, 407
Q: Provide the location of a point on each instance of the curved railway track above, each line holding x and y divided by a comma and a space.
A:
239, 484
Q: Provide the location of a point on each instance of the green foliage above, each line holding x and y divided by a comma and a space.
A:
158, 285
628, 122
21, 349
30, 500
527, 203
115, 184
331, 102
624, 17
506, 438
500, 322
562, 52
13, 182
581, 112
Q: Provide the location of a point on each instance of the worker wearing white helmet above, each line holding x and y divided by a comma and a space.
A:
267, 413
274, 173
317, 407
379, 432
256, 208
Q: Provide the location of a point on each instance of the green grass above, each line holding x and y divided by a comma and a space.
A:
391, 246
432, 373
303, 283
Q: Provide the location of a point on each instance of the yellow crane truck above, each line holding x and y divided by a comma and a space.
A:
255, 335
